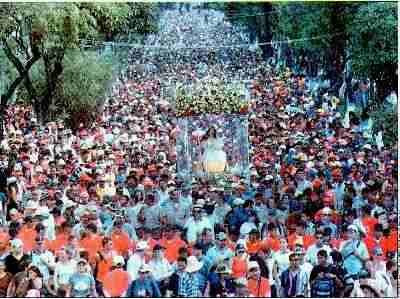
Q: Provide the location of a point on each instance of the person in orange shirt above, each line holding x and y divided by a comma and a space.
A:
172, 243
62, 236
116, 282
120, 240
254, 243
375, 239
271, 240
28, 234
239, 262
91, 242
155, 238
4, 239
258, 286
104, 259
300, 236
390, 241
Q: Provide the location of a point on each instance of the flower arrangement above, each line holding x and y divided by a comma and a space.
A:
210, 97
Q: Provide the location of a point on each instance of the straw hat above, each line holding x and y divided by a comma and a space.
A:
253, 265
142, 245
223, 269
193, 264
144, 269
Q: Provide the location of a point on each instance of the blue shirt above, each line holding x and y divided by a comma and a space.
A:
352, 264
81, 285
189, 285
143, 288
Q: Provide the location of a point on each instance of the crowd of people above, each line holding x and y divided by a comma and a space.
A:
102, 212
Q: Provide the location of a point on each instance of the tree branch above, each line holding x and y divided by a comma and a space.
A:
23, 72
14, 59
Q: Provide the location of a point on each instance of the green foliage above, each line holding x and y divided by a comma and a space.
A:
85, 82
373, 35
373, 45
116, 19
296, 21
386, 118
42, 42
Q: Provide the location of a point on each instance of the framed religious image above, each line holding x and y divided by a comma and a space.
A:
212, 137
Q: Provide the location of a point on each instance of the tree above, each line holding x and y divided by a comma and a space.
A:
373, 45
43, 33
257, 18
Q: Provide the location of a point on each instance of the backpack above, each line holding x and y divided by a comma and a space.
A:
324, 287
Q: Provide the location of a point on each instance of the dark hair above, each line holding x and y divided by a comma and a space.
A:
39, 227
182, 259
336, 256
105, 240
182, 250
208, 134
378, 227
327, 232
36, 270
292, 256
322, 253
92, 228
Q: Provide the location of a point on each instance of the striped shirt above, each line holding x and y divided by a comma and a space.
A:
189, 285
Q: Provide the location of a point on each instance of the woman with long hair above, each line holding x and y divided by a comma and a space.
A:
214, 158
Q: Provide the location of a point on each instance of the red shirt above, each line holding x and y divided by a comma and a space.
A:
172, 248
27, 236
259, 287
60, 241
116, 282
253, 247
239, 267
306, 240
92, 245
121, 242
273, 243
369, 223
371, 243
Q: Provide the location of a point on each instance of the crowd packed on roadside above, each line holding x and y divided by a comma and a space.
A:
101, 211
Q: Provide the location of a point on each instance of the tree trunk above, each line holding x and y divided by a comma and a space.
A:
53, 71
266, 31
336, 57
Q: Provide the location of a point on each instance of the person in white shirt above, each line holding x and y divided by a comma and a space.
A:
196, 224
43, 259
311, 254
160, 267
304, 265
63, 270
282, 257
136, 260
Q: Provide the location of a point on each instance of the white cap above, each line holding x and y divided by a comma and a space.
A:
252, 265
193, 264
11, 180
142, 245
144, 268
326, 210
353, 227
238, 202
118, 260
268, 177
